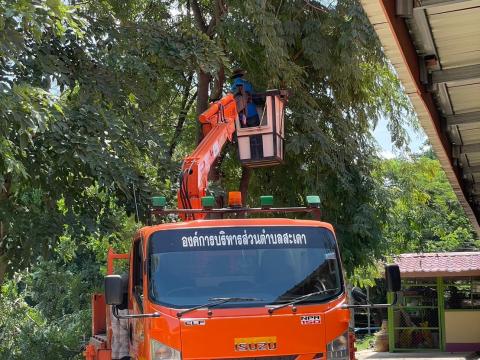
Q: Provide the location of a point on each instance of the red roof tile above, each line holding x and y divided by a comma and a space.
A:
439, 264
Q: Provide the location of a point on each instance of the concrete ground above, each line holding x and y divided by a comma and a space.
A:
369, 354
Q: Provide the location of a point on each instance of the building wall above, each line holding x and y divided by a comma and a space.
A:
462, 330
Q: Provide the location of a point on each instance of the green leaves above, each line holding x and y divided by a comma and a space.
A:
424, 214
42, 331
96, 114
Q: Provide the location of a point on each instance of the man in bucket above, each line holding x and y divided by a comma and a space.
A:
244, 95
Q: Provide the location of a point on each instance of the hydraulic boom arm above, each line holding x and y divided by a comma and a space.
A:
218, 126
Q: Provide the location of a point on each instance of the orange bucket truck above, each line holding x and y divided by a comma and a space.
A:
221, 284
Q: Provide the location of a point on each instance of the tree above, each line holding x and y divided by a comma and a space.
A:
98, 106
340, 84
70, 122
112, 87
45, 309
424, 215
118, 82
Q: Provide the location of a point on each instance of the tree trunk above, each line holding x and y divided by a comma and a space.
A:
5, 187
244, 182
3, 258
3, 268
202, 98
4, 195
217, 94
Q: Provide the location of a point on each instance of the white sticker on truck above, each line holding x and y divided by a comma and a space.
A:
310, 320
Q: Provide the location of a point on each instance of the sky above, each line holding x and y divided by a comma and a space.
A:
382, 135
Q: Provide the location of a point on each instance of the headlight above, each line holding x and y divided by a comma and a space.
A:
161, 351
338, 348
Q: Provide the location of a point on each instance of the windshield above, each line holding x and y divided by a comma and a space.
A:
272, 265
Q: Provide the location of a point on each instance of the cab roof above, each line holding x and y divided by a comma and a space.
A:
146, 231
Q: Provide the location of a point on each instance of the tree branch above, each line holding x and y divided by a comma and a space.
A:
317, 6
219, 10
218, 83
197, 15
298, 54
181, 121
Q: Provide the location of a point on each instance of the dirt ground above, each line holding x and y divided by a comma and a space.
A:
369, 354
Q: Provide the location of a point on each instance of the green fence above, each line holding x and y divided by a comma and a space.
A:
416, 324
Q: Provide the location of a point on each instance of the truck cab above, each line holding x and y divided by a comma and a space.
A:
237, 288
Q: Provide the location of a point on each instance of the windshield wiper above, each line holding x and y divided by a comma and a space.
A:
216, 301
299, 299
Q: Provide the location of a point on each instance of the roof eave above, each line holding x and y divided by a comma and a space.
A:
399, 48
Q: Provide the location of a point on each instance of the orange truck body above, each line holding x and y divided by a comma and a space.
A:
224, 333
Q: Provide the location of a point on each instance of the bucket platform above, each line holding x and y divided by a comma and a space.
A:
260, 146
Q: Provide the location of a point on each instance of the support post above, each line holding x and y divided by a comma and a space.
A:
368, 311
441, 312
390, 324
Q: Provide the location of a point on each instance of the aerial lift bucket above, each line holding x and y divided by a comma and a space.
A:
262, 145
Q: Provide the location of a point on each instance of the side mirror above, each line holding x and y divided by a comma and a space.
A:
359, 296
113, 289
392, 278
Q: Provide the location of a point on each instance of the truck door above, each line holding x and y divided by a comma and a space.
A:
136, 326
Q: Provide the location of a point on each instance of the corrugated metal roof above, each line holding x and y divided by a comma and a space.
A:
465, 98
456, 34
435, 49
439, 264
